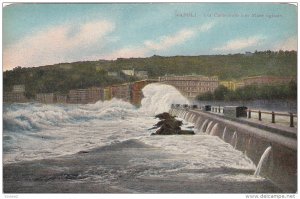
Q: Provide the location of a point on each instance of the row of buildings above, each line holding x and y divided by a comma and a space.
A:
130, 92
133, 73
190, 86
193, 85
78, 96
16, 95
257, 80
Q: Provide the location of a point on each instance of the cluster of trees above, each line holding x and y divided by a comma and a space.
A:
226, 67
60, 79
252, 92
65, 76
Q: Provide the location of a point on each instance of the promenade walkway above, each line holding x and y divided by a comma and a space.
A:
281, 125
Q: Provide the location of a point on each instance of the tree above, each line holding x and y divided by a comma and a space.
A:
246, 93
292, 89
206, 96
220, 92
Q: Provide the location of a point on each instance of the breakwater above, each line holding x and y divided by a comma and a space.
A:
274, 153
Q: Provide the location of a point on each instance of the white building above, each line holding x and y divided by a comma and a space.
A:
113, 74
128, 72
142, 74
19, 88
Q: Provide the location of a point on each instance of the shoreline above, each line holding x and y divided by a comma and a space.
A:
127, 167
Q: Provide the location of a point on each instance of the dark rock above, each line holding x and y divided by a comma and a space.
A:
81, 152
190, 127
168, 125
164, 115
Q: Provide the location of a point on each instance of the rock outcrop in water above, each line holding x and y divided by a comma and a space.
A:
168, 125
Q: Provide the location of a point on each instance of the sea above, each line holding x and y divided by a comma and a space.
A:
35, 131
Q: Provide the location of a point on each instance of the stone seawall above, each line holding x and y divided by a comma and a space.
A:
281, 165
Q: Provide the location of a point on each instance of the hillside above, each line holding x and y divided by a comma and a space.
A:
65, 76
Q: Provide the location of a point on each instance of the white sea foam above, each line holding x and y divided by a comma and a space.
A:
159, 97
37, 131
203, 151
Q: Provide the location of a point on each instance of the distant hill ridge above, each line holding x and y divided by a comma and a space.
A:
65, 76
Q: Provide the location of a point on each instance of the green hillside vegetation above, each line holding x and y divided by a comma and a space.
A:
252, 92
60, 78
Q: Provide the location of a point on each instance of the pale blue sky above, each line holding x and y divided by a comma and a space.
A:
40, 34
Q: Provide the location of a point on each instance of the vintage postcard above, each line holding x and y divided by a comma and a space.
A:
150, 98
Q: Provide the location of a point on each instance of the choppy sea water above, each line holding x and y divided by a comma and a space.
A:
38, 131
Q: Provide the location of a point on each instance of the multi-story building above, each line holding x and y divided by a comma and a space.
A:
267, 80
84, 96
107, 93
113, 74
192, 85
14, 97
95, 94
48, 98
19, 88
62, 99
231, 85
122, 91
128, 72
78, 96
141, 74
17, 94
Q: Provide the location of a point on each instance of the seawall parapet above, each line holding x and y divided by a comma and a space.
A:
253, 140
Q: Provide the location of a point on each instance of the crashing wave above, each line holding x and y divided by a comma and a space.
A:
34, 116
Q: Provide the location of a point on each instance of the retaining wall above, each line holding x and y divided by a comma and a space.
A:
281, 165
